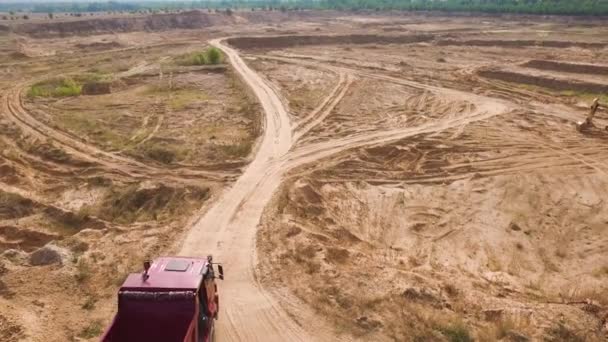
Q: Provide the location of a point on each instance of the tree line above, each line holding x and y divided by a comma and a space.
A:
557, 7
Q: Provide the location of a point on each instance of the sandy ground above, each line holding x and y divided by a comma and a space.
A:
485, 221
416, 178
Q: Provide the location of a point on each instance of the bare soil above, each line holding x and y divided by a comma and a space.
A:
458, 230
385, 177
110, 177
567, 67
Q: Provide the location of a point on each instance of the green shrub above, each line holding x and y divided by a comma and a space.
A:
211, 56
56, 88
68, 88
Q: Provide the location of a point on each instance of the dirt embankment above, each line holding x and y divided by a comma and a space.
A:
159, 22
290, 41
546, 82
520, 43
567, 67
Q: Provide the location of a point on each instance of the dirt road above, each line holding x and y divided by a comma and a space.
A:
227, 230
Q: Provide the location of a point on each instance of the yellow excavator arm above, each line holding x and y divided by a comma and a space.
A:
582, 126
594, 106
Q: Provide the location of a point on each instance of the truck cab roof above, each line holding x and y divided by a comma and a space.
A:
168, 274
161, 305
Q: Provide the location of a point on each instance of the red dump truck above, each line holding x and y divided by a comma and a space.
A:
175, 299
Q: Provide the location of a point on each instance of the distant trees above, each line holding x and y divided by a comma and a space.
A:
582, 7
566, 7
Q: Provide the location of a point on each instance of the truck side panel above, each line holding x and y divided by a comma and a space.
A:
164, 319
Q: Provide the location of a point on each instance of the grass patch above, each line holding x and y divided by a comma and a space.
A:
45, 149
180, 99
211, 56
93, 330
578, 95
85, 124
161, 153
130, 204
587, 97
239, 150
56, 88
83, 272
562, 333
158, 88
505, 329
14, 206
456, 332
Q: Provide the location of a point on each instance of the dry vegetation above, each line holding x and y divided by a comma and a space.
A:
105, 157
447, 196
489, 230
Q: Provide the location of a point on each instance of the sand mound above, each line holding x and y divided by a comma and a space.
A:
159, 22
567, 67
290, 41
544, 81
24, 239
520, 43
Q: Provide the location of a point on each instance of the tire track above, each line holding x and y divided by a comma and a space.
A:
13, 107
249, 311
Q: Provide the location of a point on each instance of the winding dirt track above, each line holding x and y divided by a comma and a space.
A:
16, 111
228, 229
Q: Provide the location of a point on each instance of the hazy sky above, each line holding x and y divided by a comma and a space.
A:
68, 1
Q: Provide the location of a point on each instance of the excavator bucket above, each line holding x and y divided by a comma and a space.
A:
583, 126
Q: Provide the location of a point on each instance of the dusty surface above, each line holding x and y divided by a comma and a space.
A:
91, 185
488, 220
402, 187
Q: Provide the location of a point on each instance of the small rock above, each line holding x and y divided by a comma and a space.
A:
47, 255
514, 226
367, 323
38, 303
492, 315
